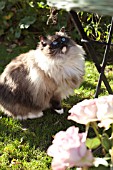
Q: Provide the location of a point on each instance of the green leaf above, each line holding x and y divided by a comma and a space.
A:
27, 21
92, 143
2, 5
99, 35
106, 142
18, 33
40, 4
1, 32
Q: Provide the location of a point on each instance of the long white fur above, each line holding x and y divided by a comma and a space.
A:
67, 66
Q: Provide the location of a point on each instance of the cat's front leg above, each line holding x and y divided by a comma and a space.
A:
55, 103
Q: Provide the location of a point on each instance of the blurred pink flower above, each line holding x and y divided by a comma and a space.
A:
69, 150
100, 109
84, 112
105, 111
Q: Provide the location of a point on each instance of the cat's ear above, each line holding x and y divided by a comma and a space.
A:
61, 32
62, 29
43, 40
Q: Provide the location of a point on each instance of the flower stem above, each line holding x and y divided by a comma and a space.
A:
87, 128
95, 128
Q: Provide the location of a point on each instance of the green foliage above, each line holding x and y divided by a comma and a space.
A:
23, 20
26, 20
95, 26
106, 142
93, 143
17, 16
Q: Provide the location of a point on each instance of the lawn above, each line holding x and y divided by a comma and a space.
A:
23, 144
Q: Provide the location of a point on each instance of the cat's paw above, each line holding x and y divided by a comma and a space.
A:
35, 115
61, 111
30, 115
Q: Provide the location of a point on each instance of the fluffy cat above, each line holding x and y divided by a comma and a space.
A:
41, 78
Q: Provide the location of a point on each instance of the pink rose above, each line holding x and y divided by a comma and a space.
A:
105, 110
100, 109
69, 150
84, 112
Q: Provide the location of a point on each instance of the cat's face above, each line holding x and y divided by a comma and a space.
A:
57, 44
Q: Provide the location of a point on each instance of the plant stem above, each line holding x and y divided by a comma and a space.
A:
94, 125
87, 127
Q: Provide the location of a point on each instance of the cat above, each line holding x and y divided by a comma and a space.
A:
41, 78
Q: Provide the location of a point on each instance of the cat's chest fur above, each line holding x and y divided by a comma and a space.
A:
67, 72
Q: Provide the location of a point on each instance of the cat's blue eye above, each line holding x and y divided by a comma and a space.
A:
54, 42
63, 39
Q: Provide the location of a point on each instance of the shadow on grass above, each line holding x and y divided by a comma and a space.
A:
37, 132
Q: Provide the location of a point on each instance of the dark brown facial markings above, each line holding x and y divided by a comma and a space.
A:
59, 45
54, 42
54, 45
60, 42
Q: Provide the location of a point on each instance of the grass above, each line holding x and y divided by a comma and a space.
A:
23, 144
